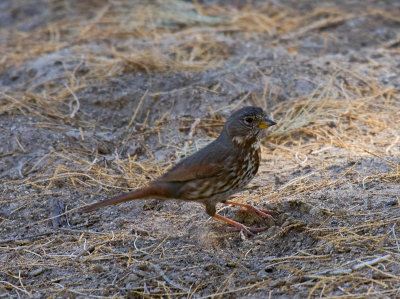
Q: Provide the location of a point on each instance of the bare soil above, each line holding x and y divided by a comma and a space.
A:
100, 97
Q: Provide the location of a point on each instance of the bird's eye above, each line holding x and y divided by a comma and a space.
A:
248, 120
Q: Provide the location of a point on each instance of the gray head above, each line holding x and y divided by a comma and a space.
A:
245, 124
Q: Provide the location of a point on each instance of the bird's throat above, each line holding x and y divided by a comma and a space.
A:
241, 141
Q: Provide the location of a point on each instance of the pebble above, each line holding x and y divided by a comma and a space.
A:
98, 268
37, 272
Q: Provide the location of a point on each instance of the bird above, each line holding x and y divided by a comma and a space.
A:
214, 173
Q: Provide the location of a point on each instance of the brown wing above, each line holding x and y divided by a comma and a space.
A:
208, 162
183, 173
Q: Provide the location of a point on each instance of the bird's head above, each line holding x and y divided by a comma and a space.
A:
246, 124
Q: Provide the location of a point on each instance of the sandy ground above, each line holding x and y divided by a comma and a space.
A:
99, 97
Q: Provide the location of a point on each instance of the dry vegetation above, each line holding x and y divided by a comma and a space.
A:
99, 97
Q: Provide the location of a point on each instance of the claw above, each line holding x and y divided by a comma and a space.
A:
259, 212
236, 226
253, 210
249, 231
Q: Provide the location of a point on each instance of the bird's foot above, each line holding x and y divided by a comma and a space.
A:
259, 213
247, 230
236, 226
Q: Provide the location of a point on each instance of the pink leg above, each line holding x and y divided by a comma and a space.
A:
253, 210
240, 227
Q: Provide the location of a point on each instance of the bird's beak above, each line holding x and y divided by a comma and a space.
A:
265, 123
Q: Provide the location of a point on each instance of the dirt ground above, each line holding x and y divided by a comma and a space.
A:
99, 97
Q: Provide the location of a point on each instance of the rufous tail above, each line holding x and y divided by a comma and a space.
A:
150, 191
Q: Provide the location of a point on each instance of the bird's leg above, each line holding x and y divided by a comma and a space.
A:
253, 210
236, 226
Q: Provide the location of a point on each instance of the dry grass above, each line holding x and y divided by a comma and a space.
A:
343, 115
352, 117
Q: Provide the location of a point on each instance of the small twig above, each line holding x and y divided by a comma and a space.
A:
25, 238
371, 262
225, 284
159, 245
80, 231
137, 108
20, 281
167, 279
359, 266
66, 216
115, 279
90, 248
9, 153
395, 237
193, 127
15, 287
137, 249
74, 108
95, 20
20, 145
395, 165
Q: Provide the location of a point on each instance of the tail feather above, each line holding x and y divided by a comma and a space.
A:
141, 193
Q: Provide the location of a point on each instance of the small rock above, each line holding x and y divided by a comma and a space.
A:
262, 274
98, 268
132, 277
392, 203
37, 271
277, 283
143, 267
